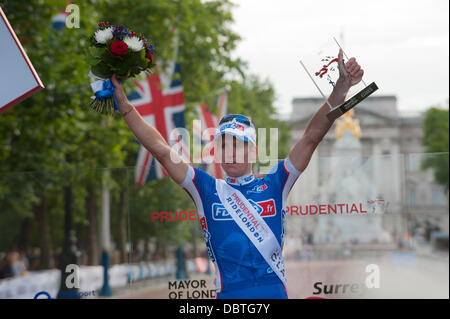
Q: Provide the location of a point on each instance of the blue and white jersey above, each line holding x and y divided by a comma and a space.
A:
239, 265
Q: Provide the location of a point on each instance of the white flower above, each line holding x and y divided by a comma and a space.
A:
103, 36
134, 43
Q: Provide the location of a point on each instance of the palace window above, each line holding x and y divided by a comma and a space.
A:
410, 196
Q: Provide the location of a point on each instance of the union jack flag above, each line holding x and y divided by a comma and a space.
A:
210, 121
159, 99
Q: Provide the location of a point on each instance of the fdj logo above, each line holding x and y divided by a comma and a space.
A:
258, 188
263, 208
220, 213
238, 126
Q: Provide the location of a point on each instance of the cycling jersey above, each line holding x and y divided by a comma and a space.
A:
241, 271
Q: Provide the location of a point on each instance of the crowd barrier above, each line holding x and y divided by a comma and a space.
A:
91, 278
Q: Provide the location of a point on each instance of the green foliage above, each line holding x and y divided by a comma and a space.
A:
39, 134
53, 139
435, 140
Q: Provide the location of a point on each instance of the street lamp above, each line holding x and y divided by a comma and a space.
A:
106, 236
69, 254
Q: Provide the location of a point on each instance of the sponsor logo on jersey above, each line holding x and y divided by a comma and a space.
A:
244, 180
258, 188
203, 223
207, 236
233, 125
264, 208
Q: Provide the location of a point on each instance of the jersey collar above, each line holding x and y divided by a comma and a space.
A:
242, 180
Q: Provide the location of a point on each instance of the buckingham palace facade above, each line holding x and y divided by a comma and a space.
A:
388, 149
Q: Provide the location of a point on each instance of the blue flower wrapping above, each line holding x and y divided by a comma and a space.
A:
107, 92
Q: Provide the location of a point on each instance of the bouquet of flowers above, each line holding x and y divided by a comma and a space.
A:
116, 50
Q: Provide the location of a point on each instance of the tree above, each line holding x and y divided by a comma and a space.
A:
435, 140
37, 135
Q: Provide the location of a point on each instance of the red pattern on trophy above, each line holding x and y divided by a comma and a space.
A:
324, 69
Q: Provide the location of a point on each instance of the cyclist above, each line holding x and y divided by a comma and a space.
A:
242, 217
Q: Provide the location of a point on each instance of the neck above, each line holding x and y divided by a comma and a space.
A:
246, 172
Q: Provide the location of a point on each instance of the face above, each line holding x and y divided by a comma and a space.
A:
235, 155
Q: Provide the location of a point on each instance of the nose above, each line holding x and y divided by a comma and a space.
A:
230, 154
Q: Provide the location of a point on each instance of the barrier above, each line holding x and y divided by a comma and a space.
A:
91, 278
26, 287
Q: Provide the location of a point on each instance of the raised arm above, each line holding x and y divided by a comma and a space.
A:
349, 74
149, 137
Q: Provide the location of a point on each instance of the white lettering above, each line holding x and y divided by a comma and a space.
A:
73, 279
373, 279
73, 19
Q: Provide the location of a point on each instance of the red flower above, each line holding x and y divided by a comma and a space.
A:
118, 47
149, 56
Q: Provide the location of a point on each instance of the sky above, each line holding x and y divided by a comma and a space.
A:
403, 46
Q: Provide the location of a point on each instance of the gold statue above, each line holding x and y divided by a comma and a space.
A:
346, 122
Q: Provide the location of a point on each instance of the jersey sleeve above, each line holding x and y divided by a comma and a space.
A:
283, 175
197, 184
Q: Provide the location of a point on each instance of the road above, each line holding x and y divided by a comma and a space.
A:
392, 276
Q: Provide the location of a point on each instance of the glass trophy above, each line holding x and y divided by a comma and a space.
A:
322, 68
